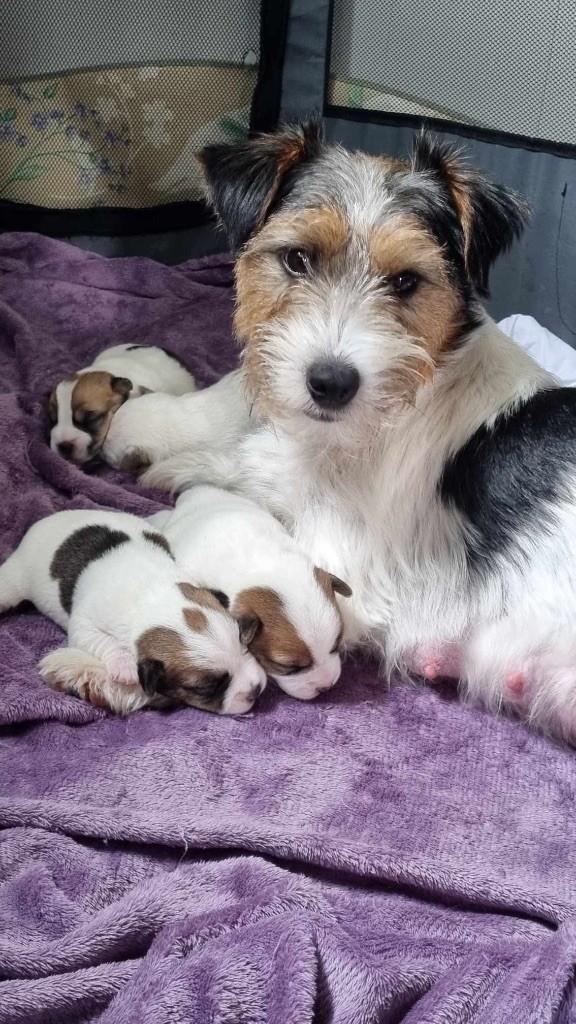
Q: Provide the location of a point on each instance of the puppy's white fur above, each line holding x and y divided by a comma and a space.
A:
158, 426
149, 368
229, 543
117, 597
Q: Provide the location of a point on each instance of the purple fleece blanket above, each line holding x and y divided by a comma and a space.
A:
369, 857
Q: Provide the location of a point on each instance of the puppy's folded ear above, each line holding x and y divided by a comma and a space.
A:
339, 586
245, 180
491, 216
333, 583
221, 597
152, 676
249, 626
122, 386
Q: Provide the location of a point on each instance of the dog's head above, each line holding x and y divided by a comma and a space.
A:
356, 275
201, 661
81, 410
295, 631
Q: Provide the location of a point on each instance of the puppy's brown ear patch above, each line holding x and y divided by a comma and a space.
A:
332, 584
200, 595
122, 386
249, 625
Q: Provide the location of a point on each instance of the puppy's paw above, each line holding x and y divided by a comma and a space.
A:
72, 671
135, 460
122, 669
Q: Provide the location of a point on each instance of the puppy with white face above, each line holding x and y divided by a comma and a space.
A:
282, 601
139, 632
82, 406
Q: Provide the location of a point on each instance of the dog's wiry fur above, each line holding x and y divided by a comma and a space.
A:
444, 490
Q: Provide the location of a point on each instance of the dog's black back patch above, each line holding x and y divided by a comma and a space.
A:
159, 540
505, 477
83, 546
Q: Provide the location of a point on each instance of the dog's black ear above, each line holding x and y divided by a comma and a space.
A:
152, 676
221, 597
122, 386
249, 626
245, 179
491, 216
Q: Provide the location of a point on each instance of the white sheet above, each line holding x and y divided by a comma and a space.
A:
548, 350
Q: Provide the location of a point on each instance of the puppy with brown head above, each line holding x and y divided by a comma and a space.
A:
81, 406
111, 581
286, 607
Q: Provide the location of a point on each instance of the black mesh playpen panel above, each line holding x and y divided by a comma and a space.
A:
106, 105
494, 64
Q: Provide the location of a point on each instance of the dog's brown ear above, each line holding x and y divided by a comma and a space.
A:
491, 216
249, 626
122, 386
244, 180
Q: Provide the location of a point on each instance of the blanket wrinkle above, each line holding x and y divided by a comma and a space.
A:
371, 857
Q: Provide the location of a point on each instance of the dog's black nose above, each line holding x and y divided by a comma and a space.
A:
66, 449
332, 385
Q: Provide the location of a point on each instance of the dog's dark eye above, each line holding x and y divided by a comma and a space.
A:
296, 262
405, 283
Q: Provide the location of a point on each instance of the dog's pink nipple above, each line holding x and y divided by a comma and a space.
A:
515, 684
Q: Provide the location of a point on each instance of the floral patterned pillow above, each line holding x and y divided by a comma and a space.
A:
121, 137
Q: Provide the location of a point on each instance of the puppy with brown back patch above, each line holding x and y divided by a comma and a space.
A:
139, 631
286, 605
82, 406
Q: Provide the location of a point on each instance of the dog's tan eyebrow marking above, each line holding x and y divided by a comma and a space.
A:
318, 229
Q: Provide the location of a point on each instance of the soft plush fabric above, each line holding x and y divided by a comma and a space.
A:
551, 352
368, 858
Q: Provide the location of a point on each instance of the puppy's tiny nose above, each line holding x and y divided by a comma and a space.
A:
332, 385
66, 449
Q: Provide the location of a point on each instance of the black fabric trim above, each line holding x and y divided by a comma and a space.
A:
265, 110
379, 117
103, 220
329, 30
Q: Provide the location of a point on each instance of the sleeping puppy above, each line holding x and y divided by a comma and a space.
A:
289, 605
81, 407
133, 623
